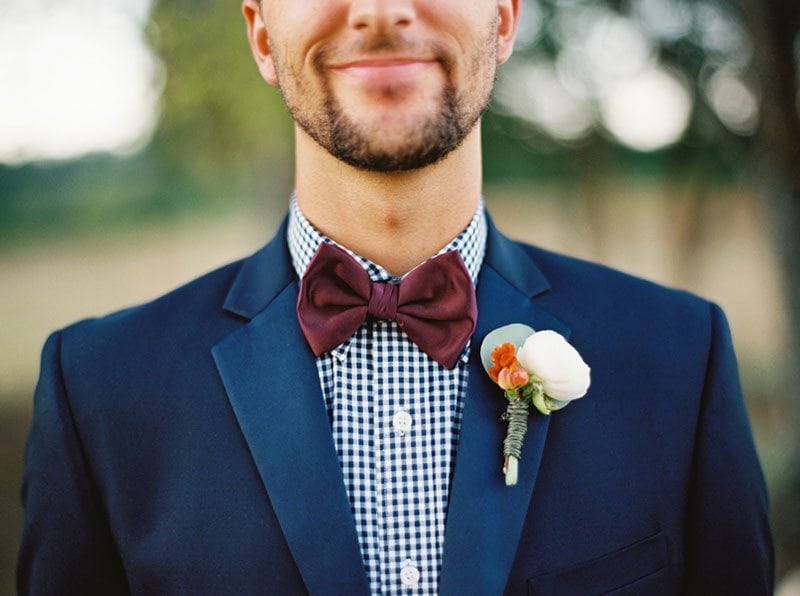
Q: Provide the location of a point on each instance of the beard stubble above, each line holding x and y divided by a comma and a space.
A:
426, 142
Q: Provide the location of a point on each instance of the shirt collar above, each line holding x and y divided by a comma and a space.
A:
304, 239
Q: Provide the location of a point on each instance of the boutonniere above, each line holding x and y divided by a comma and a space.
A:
538, 368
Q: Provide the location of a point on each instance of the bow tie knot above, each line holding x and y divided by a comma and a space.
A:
434, 303
383, 301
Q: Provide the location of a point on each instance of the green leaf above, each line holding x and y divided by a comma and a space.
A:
538, 400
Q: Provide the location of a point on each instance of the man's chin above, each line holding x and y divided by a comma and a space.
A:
426, 144
387, 161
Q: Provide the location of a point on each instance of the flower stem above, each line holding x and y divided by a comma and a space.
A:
516, 415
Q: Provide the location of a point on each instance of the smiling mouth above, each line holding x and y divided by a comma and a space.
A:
386, 70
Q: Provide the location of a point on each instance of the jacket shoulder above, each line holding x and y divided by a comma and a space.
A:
598, 287
624, 322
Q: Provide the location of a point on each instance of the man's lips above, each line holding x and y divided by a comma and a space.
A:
386, 69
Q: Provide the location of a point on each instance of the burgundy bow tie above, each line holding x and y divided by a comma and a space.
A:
434, 304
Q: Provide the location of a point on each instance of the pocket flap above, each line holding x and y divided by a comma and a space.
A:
606, 573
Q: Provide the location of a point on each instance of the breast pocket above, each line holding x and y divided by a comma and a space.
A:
634, 569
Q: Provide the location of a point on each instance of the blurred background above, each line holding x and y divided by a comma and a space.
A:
139, 148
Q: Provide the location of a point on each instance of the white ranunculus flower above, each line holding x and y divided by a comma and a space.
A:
547, 356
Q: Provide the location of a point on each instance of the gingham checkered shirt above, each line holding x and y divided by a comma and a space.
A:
395, 416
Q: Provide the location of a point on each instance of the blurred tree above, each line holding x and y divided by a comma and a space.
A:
221, 125
775, 29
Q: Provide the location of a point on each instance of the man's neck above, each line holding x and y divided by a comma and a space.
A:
397, 220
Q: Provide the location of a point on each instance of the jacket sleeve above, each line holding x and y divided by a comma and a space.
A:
728, 542
67, 547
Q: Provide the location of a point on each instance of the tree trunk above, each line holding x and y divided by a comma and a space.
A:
774, 26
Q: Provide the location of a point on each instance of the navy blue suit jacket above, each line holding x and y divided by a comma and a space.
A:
183, 446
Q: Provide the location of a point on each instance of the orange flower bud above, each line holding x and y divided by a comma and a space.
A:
505, 355
512, 377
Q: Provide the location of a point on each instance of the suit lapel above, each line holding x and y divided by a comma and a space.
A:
271, 379
485, 517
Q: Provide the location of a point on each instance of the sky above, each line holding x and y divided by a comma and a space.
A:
76, 77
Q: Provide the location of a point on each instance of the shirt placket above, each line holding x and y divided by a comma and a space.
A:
381, 365
384, 363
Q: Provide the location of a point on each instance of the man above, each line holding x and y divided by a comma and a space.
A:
228, 438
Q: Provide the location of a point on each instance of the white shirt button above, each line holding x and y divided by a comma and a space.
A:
409, 575
402, 422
